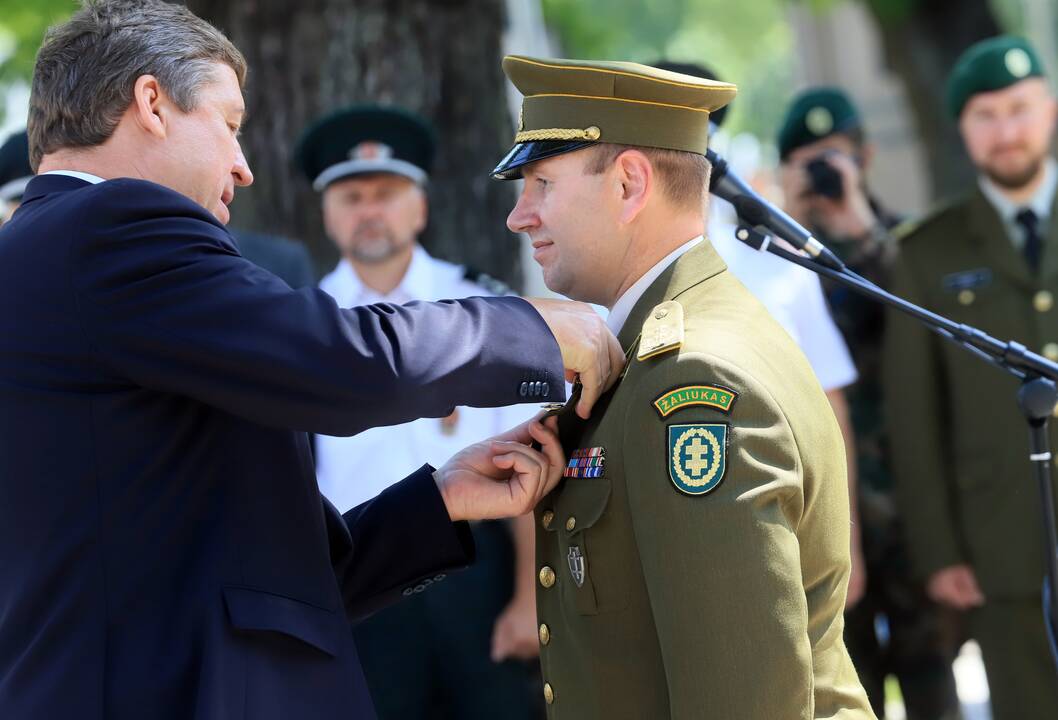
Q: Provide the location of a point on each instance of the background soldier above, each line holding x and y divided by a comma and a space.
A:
959, 442
825, 159
430, 655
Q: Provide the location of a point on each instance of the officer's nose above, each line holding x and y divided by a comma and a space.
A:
523, 217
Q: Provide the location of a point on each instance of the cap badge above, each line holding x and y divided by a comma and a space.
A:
819, 121
1018, 62
371, 150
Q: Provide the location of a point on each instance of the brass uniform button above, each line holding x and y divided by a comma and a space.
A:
546, 519
545, 634
966, 297
1043, 301
547, 576
571, 523
592, 133
1054, 413
549, 694
1050, 351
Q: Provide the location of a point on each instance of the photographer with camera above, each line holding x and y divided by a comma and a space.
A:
824, 160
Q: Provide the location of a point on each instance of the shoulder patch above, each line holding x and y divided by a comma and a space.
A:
662, 330
697, 456
685, 396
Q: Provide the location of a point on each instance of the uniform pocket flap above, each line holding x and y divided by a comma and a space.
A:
583, 500
259, 610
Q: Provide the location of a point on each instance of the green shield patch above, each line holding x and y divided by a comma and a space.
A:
697, 456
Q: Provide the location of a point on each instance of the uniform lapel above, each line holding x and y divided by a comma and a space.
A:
1049, 264
695, 266
988, 230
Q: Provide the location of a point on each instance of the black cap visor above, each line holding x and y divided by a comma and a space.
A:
510, 167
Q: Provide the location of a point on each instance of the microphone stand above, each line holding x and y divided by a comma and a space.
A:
1036, 398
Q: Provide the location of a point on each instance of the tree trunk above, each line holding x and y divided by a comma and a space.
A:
921, 48
440, 58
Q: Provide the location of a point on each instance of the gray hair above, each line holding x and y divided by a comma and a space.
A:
87, 68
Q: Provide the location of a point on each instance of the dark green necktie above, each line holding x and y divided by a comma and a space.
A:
1030, 222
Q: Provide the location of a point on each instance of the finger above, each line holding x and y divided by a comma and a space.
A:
550, 445
591, 389
518, 433
530, 477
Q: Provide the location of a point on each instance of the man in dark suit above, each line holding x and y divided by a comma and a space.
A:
164, 550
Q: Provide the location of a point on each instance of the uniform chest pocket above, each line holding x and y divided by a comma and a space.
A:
589, 562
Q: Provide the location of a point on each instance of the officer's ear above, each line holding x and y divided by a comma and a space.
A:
866, 156
636, 177
423, 209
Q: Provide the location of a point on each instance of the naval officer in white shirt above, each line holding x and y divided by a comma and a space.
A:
466, 647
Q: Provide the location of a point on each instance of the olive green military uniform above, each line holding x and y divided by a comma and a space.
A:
960, 445
702, 573
920, 643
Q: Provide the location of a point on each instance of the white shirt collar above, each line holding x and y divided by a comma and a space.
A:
623, 307
1040, 203
87, 177
417, 283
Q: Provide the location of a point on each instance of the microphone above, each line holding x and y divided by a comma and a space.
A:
758, 212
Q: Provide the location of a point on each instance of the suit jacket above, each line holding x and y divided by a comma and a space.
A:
694, 561
164, 550
959, 444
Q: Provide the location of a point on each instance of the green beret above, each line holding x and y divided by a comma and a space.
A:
815, 114
365, 139
571, 104
989, 65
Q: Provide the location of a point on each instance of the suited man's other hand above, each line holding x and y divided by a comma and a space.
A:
590, 351
503, 476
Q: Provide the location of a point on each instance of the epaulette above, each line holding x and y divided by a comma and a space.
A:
493, 285
662, 331
908, 227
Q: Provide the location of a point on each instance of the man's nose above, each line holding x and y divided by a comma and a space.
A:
522, 218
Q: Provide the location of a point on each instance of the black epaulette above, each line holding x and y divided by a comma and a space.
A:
493, 285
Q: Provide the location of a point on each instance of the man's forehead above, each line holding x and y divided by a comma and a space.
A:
1028, 89
369, 181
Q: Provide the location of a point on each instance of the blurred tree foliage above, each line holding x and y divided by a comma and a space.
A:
22, 26
748, 43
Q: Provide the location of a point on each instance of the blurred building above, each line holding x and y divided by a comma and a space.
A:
842, 48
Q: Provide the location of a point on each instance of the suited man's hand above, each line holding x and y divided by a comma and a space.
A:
590, 351
502, 476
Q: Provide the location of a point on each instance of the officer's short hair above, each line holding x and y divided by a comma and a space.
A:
684, 176
87, 67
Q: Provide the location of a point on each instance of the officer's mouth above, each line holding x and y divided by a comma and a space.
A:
540, 249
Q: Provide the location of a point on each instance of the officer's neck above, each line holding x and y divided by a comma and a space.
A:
383, 276
655, 236
1023, 195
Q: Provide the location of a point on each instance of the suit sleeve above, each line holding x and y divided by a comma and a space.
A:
727, 586
396, 544
169, 304
914, 388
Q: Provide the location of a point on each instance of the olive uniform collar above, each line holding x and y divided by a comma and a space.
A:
692, 268
987, 229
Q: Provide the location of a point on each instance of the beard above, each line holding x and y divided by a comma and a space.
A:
374, 243
1015, 178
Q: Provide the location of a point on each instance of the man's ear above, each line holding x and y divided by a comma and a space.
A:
424, 211
149, 106
866, 156
636, 177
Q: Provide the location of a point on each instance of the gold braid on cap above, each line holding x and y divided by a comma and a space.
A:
589, 133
